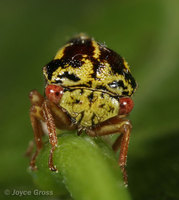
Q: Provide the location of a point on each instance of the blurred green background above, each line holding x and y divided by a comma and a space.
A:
145, 32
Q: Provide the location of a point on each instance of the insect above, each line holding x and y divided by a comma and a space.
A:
88, 88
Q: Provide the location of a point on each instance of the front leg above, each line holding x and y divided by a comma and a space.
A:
43, 111
116, 125
36, 115
40, 112
51, 132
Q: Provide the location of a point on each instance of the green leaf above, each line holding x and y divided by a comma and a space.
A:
87, 167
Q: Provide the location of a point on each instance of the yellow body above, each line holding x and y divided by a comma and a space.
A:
93, 77
89, 111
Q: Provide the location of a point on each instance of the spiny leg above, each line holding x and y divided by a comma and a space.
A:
35, 117
38, 139
46, 111
116, 125
123, 145
52, 133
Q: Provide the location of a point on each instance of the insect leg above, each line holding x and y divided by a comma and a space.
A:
36, 125
35, 116
116, 125
52, 133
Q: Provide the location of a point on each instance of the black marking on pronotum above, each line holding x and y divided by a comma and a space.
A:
124, 93
51, 67
121, 84
62, 63
82, 46
71, 77
128, 77
78, 48
115, 60
58, 81
96, 65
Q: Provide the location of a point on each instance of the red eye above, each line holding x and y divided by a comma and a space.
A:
126, 105
54, 93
